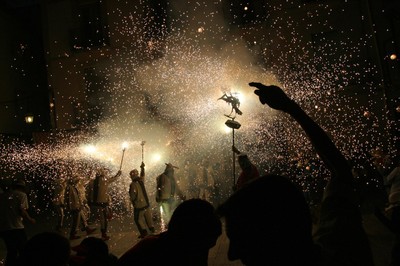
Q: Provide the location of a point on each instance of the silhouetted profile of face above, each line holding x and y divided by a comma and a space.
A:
268, 222
196, 224
46, 248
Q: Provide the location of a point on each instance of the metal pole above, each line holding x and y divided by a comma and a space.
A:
233, 158
122, 158
143, 142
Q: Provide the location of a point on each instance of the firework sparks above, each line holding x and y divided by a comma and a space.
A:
161, 82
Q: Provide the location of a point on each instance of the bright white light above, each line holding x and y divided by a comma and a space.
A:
240, 96
226, 129
156, 157
125, 145
90, 149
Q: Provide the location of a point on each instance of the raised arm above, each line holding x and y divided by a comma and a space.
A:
341, 183
112, 179
142, 174
235, 150
275, 98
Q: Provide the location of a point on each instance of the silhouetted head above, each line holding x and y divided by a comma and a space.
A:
195, 223
46, 249
268, 223
169, 169
102, 171
244, 161
19, 184
134, 173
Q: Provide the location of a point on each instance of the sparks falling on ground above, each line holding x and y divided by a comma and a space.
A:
162, 81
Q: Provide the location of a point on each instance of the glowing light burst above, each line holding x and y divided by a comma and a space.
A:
162, 81
156, 157
89, 149
125, 145
226, 129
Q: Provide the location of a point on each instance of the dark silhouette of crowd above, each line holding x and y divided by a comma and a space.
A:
53, 249
267, 219
193, 229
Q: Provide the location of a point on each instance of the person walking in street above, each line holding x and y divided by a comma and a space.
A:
167, 188
85, 213
75, 206
140, 201
13, 212
99, 199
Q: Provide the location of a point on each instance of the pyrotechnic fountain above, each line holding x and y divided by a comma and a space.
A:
168, 97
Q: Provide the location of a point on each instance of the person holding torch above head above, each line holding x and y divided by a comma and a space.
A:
140, 201
167, 188
99, 199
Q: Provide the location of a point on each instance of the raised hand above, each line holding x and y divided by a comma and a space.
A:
272, 95
235, 150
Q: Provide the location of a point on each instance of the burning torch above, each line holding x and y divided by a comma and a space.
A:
124, 146
142, 144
